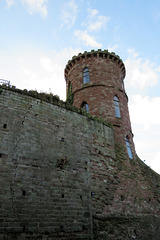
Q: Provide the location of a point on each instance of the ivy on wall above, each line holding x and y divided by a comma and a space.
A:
70, 94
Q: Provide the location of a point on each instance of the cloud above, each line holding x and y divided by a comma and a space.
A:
94, 21
38, 6
144, 110
9, 3
145, 119
35, 69
69, 13
140, 72
113, 48
87, 39
47, 64
92, 12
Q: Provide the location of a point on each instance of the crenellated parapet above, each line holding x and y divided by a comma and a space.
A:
105, 54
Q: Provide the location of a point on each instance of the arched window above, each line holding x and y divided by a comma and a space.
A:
85, 106
128, 148
85, 75
116, 106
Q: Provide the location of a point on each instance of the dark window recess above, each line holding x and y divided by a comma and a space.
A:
92, 194
23, 192
62, 195
62, 228
81, 197
84, 228
85, 107
4, 125
0, 155
62, 139
122, 198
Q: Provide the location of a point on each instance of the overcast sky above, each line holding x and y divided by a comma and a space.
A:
38, 37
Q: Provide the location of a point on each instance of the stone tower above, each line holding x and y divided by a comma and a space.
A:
96, 81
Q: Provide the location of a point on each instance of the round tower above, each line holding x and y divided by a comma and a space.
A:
96, 81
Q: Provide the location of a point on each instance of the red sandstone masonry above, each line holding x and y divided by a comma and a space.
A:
106, 73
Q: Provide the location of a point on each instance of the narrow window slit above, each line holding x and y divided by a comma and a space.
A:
24, 228
23, 192
62, 139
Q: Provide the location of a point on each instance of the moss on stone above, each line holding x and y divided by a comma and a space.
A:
120, 152
70, 94
55, 100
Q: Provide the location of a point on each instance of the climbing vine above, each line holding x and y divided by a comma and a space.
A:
70, 94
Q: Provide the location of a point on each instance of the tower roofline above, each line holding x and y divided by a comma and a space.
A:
99, 53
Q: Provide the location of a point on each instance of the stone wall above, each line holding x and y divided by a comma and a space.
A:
63, 177
45, 158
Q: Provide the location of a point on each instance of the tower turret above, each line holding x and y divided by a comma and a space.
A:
96, 80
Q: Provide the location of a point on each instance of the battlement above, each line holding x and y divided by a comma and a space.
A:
98, 54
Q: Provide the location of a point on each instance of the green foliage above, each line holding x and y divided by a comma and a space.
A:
120, 152
54, 99
74, 57
70, 94
1, 90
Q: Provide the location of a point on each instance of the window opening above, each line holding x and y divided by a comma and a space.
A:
117, 108
85, 75
4, 125
128, 148
23, 192
85, 107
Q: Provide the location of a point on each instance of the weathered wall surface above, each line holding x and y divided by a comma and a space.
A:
45, 168
62, 177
